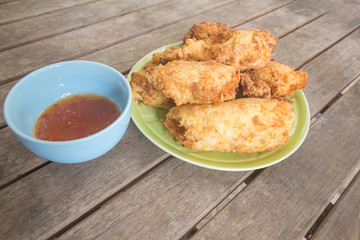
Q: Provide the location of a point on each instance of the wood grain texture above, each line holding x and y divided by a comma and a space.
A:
48, 25
332, 71
71, 45
15, 159
112, 57
124, 55
169, 34
343, 223
4, 90
164, 201
309, 41
17, 10
286, 199
47, 200
285, 20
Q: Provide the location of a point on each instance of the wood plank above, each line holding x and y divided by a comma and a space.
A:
309, 41
289, 18
169, 200
132, 50
16, 10
286, 199
112, 59
70, 206
65, 212
159, 35
71, 45
15, 160
343, 221
118, 219
332, 71
4, 90
44, 202
43, 26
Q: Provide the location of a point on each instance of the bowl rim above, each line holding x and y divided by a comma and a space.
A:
123, 114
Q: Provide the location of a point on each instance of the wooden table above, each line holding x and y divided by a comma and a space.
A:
137, 191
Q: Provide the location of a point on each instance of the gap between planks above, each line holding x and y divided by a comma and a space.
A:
77, 28
335, 201
127, 71
24, 174
313, 120
123, 40
262, 14
327, 48
334, 100
123, 187
41, 14
238, 189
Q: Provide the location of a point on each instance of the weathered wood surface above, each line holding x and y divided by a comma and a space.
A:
344, 221
48, 25
117, 217
13, 10
112, 57
286, 199
16, 159
133, 49
71, 45
136, 190
49, 199
164, 201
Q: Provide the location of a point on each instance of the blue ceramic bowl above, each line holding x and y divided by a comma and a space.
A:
39, 89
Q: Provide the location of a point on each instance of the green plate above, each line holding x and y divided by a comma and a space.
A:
148, 120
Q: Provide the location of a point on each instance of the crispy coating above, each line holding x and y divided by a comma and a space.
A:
282, 79
194, 82
143, 91
244, 49
246, 125
215, 32
191, 50
254, 88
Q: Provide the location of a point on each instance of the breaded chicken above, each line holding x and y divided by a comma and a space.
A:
244, 49
143, 91
282, 79
194, 82
191, 50
247, 125
254, 88
215, 32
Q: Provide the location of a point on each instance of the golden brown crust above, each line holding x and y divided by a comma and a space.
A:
254, 88
244, 49
244, 125
215, 32
143, 91
282, 79
194, 82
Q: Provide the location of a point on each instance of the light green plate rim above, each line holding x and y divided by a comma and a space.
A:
149, 122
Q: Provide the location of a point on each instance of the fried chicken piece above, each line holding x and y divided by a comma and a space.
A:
143, 91
215, 32
194, 82
282, 79
254, 88
244, 49
191, 50
246, 125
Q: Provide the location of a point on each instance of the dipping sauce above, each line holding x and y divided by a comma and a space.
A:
75, 117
